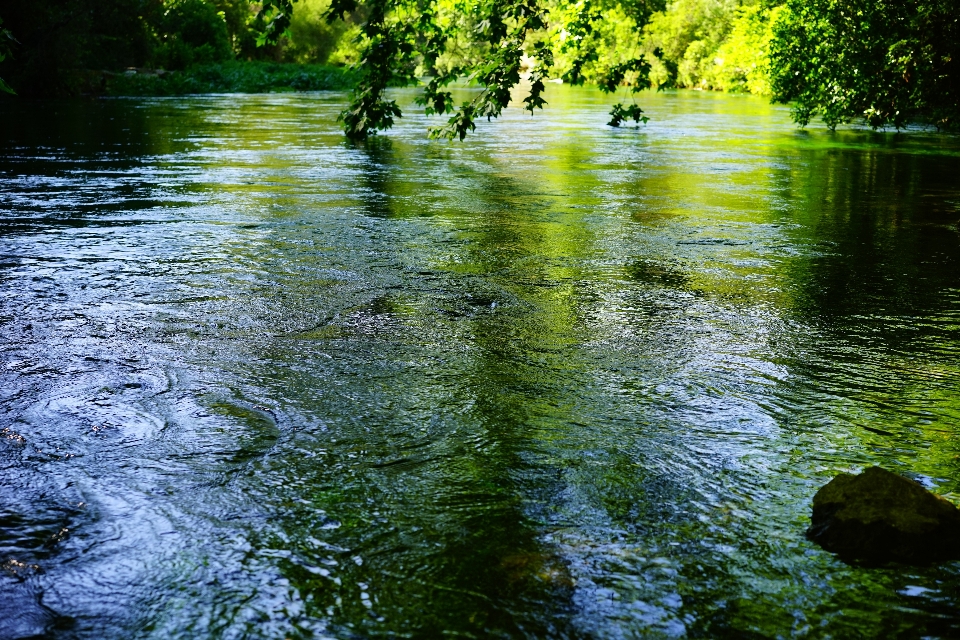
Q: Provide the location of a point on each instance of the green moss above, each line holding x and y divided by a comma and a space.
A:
879, 516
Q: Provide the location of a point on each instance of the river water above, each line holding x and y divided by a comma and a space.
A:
557, 381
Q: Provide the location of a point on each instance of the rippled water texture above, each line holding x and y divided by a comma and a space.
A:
556, 381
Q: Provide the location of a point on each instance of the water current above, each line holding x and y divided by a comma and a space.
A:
556, 381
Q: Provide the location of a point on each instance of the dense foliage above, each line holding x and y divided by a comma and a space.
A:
311, 38
888, 62
711, 44
192, 32
63, 46
882, 61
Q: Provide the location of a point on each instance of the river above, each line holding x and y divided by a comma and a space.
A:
556, 381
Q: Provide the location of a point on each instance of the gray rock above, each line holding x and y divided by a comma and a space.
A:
879, 516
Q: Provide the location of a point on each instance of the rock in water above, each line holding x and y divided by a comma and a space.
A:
879, 516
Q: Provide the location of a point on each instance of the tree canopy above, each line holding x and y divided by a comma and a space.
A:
885, 62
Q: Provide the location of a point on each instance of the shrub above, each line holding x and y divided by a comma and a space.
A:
233, 76
193, 32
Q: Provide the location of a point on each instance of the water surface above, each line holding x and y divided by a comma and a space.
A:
558, 381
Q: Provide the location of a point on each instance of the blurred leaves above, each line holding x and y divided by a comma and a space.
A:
720, 45
276, 16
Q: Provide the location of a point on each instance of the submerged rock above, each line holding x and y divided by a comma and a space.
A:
879, 516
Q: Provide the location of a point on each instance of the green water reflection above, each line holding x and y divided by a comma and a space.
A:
557, 381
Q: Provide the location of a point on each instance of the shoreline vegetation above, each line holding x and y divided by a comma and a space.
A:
715, 45
234, 76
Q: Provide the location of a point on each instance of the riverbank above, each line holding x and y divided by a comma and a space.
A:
225, 77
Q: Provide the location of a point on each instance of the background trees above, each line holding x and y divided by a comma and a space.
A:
711, 44
885, 62
58, 39
62, 46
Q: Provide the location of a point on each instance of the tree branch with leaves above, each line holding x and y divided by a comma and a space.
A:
402, 39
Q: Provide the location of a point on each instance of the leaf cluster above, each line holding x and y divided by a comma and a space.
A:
884, 62
511, 42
